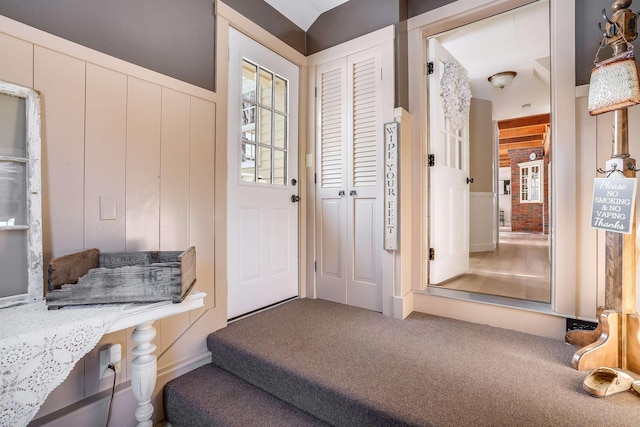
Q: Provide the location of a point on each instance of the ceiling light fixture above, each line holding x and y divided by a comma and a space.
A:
500, 80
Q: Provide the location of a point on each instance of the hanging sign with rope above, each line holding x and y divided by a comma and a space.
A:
614, 198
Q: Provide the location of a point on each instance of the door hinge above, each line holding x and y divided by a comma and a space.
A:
315, 178
315, 92
432, 160
315, 266
432, 254
429, 68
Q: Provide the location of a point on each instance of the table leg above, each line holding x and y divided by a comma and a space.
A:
144, 370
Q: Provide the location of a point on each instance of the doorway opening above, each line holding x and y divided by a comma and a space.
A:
508, 243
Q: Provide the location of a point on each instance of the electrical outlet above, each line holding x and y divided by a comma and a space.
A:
112, 355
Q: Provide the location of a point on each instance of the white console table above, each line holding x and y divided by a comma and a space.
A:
144, 366
38, 349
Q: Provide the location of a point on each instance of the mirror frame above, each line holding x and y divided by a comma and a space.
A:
35, 288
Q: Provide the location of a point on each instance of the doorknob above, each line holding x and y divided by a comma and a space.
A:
353, 193
295, 198
469, 180
341, 193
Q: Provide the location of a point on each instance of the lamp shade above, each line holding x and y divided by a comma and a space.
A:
500, 80
614, 84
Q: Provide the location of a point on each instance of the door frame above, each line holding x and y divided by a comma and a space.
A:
227, 18
455, 14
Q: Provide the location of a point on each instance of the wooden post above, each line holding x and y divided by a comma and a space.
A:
619, 342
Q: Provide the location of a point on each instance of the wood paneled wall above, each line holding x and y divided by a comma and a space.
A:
115, 133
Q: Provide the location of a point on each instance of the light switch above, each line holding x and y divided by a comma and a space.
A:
308, 160
108, 209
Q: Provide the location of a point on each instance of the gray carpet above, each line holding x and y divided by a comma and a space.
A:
349, 366
209, 396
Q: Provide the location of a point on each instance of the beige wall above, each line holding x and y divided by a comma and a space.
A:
158, 146
482, 200
111, 129
594, 143
481, 145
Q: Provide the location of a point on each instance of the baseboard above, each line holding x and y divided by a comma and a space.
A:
403, 306
185, 366
547, 324
482, 247
93, 410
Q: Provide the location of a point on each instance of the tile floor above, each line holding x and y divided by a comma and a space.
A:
518, 268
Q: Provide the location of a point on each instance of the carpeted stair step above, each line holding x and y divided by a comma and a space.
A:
353, 367
326, 403
209, 396
288, 377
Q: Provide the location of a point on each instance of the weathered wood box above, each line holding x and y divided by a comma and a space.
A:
91, 277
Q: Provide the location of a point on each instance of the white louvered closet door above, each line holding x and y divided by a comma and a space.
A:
331, 181
350, 180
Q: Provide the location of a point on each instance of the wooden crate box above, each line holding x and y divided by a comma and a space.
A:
92, 277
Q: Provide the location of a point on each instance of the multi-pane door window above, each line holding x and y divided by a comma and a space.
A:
531, 182
264, 119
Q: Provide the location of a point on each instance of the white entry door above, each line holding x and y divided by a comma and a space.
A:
448, 185
262, 189
349, 181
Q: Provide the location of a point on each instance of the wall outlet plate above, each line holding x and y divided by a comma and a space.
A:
108, 208
111, 355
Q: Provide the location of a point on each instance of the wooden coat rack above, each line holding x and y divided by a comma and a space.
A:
617, 340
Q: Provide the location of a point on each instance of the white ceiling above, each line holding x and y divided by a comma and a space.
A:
513, 41
303, 13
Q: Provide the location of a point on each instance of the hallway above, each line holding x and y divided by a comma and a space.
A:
518, 268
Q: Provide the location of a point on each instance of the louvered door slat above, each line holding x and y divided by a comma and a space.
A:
364, 114
332, 134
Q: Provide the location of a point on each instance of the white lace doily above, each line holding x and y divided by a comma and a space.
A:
38, 350
456, 94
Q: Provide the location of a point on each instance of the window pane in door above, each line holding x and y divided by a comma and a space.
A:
14, 279
266, 88
13, 194
249, 84
264, 165
13, 128
281, 95
265, 126
248, 121
280, 131
248, 166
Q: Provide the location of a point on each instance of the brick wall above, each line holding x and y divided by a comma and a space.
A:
528, 217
